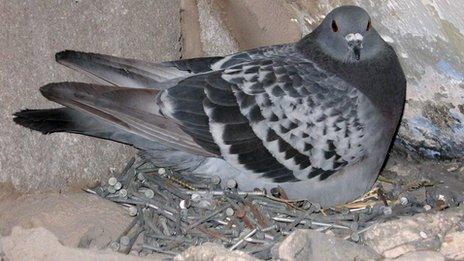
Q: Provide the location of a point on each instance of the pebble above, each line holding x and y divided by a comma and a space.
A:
423, 234
132, 211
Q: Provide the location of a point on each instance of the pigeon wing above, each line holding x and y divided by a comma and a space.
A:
282, 118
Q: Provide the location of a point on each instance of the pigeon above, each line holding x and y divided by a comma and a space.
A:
315, 118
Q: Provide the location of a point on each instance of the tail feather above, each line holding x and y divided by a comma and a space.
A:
49, 121
119, 71
46, 121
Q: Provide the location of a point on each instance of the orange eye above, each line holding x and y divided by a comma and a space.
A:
369, 25
334, 26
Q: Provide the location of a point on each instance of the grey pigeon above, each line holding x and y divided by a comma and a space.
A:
315, 117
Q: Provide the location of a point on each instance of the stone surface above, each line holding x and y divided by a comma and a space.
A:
453, 246
210, 251
428, 38
41, 244
408, 234
420, 256
312, 245
32, 32
74, 218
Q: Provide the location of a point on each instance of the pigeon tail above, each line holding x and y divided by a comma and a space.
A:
63, 119
47, 121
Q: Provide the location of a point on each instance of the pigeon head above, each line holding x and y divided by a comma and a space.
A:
347, 35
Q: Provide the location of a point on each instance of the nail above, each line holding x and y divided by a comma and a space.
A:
159, 250
230, 212
222, 193
111, 190
162, 171
231, 184
216, 180
114, 246
243, 239
321, 224
118, 186
112, 181
211, 215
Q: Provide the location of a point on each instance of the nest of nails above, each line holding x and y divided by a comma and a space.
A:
173, 212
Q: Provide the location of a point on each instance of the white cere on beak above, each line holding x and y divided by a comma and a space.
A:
357, 37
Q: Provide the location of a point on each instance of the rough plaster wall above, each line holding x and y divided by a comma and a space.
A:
31, 32
427, 34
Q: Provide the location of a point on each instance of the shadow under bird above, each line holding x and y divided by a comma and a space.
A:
315, 117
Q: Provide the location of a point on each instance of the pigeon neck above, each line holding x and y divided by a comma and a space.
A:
381, 79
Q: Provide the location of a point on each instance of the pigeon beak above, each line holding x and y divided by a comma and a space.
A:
355, 41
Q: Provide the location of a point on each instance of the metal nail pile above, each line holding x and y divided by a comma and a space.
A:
173, 212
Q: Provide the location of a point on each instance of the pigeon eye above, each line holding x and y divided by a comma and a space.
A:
334, 26
369, 25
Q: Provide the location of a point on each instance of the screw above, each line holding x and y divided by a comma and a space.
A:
112, 181
231, 184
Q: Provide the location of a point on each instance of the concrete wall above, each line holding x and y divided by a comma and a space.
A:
30, 34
